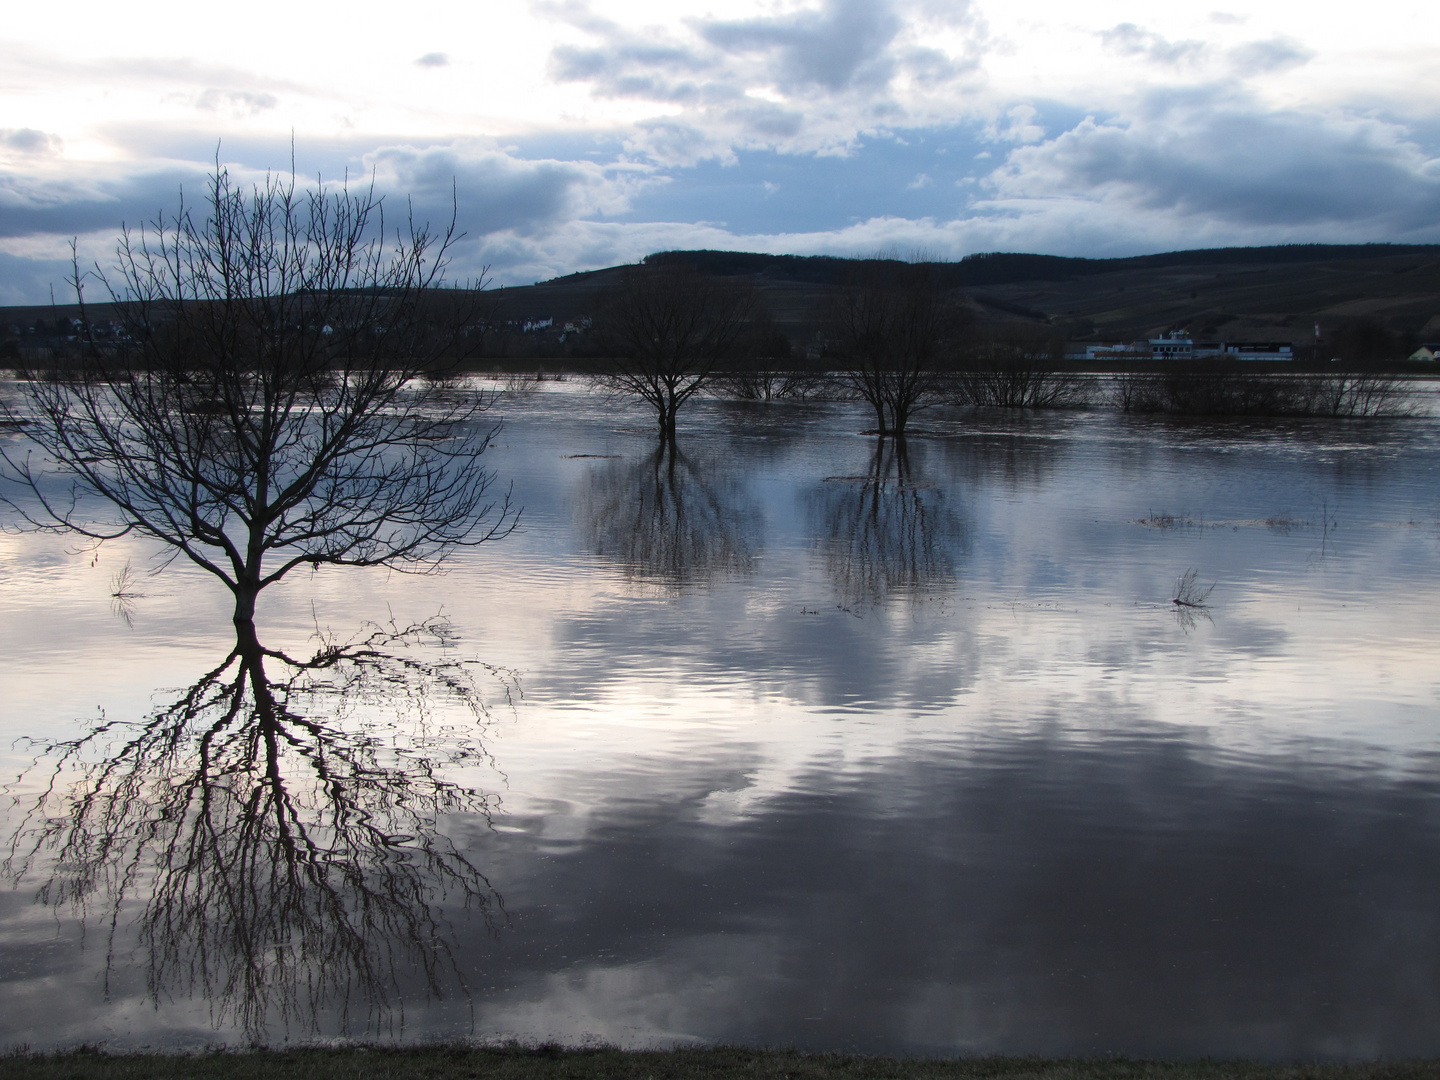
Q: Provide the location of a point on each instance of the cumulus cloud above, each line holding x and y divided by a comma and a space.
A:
497, 198
843, 44
1275, 54
1224, 163
1191, 168
494, 191
239, 103
29, 143
1127, 39
821, 86
807, 80
1018, 125
623, 63
85, 201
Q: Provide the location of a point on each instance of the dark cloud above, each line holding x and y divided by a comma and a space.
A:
29, 142
1204, 155
844, 44
644, 66
626, 63
1276, 54
767, 119
493, 192
840, 49
1130, 40
931, 67
31, 206
433, 59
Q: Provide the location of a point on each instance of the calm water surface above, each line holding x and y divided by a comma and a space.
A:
785, 739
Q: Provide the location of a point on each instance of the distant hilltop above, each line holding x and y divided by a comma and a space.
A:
1387, 293
1005, 267
1281, 293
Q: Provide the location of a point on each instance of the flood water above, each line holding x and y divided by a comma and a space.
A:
786, 739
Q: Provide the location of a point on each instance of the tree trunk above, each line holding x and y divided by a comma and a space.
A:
899, 415
667, 421
245, 594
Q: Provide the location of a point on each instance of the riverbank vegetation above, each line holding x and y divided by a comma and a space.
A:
1196, 391
605, 1063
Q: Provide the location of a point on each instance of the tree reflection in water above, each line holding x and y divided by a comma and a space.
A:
277, 825
886, 531
669, 519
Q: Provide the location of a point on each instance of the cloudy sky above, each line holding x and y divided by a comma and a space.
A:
582, 133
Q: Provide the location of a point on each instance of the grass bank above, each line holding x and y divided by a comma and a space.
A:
549, 1063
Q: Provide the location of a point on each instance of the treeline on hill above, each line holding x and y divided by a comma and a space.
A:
1005, 268
1370, 299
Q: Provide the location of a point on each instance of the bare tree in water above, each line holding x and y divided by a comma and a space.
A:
269, 413
278, 827
890, 322
663, 328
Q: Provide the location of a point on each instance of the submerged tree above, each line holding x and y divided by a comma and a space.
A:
269, 413
662, 329
276, 830
890, 322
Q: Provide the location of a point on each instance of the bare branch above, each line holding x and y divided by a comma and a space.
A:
662, 329
269, 410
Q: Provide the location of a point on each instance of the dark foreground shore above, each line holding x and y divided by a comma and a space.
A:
552, 1063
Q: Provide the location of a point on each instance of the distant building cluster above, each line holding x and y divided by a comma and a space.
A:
43, 338
568, 329
1180, 347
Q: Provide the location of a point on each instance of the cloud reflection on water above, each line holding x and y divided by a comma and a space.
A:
1032, 892
1034, 815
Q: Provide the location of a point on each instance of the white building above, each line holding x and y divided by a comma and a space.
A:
1178, 346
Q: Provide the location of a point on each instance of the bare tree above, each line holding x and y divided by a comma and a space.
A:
890, 322
1015, 367
764, 367
662, 329
270, 413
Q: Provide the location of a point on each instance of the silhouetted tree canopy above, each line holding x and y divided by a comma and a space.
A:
890, 322
663, 329
271, 412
